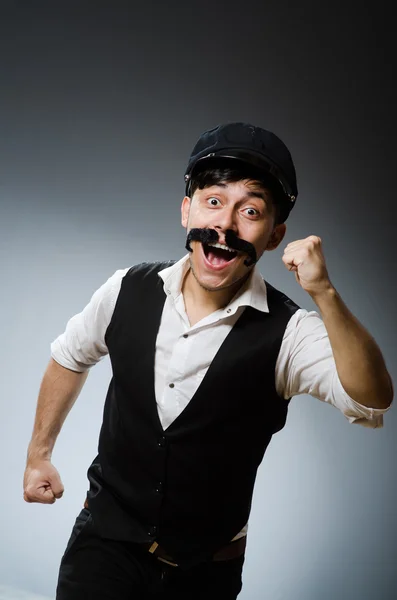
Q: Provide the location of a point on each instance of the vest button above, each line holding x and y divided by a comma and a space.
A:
152, 530
161, 442
159, 488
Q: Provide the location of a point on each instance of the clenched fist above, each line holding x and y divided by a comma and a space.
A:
42, 483
306, 258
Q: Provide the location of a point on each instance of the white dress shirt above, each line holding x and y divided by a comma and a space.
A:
305, 364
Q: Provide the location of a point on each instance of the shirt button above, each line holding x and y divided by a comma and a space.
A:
161, 442
152, 530
172, 385
185, 335
229, 310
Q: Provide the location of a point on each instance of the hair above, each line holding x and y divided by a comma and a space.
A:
224, 170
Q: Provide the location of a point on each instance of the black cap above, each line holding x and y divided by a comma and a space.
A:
247, 143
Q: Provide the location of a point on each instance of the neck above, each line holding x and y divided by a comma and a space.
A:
209, 300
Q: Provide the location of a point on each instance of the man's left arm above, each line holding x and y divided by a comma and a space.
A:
359, 362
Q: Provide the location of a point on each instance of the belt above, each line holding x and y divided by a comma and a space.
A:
227, 552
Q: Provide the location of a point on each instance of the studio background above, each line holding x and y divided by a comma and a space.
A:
100, 106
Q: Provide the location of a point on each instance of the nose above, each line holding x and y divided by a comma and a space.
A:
225, 219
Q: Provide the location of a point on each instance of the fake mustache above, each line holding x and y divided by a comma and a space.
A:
210, 236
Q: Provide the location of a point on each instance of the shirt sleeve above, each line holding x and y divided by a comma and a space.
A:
82, 344
306, 365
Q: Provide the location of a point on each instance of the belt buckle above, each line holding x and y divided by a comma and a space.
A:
153, 549
168, 562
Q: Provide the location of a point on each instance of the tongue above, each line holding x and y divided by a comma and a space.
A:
217, 256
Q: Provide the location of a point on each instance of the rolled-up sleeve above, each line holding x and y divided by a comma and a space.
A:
306, 365
82, 344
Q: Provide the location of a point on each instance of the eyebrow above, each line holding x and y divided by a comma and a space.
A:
253, 194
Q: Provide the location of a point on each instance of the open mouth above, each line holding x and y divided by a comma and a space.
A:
218, 255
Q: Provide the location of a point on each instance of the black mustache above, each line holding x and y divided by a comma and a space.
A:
210, 236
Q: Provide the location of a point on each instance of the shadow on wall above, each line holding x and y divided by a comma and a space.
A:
12, 593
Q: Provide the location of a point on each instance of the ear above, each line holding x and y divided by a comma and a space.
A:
185, 208
277, 236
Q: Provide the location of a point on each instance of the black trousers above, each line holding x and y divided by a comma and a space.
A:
93, 568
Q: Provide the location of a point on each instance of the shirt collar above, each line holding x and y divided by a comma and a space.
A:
253, 293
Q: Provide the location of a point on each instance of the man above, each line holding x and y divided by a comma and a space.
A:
205, 358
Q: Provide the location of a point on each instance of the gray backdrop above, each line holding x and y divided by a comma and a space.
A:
100, 105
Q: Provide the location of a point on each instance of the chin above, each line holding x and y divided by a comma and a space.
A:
215, 283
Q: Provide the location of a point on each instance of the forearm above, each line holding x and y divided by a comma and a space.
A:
59, 389
359, 361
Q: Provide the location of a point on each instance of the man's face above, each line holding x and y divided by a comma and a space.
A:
245, 208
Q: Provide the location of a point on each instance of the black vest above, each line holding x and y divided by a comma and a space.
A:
190, 486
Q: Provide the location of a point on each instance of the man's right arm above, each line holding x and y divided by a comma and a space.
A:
59, 390
80, 347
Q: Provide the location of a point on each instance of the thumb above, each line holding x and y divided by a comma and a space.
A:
56, 485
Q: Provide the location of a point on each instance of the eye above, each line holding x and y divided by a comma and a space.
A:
213, 201
251, 212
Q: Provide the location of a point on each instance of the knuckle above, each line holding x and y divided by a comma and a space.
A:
315, 239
